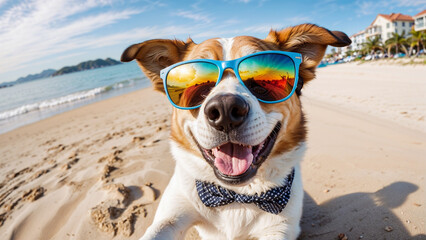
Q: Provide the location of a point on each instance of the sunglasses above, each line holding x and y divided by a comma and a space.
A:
271, 76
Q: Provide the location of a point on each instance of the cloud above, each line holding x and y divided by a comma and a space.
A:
365, 8
198, 17
135, 35
2, 2
374, 7
74, 54
410, 3
264, 28
385, 6
36, 29
261, 29
260, 2
297, 20
232, 21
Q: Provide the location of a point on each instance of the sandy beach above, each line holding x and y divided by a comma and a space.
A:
98, 172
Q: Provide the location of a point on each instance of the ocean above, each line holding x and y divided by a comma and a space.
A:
33, 101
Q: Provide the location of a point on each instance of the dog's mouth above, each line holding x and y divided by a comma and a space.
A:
235, 163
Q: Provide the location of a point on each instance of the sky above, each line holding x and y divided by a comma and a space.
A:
39, 34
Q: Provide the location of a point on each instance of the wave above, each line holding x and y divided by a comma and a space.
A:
74, 97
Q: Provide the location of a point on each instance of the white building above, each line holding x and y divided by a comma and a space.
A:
420, 21
384, 25
358, 39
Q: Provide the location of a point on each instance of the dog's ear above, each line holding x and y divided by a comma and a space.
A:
154, 55
311, 41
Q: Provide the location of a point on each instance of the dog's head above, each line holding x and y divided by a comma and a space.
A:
234, 137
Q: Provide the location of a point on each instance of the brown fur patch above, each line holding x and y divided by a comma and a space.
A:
177, 132
154, 55
295, 131
309, 40
209, 49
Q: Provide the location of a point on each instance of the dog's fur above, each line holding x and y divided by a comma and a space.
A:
180, 206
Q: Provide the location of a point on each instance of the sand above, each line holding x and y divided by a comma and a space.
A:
98, 172
391, 92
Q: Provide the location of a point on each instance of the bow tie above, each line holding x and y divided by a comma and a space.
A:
273, 200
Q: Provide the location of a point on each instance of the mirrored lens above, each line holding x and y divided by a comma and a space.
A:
269, 77
189, 84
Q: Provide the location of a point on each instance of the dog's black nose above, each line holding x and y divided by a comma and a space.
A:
226, 112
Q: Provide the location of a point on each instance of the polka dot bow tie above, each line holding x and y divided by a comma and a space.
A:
273, 200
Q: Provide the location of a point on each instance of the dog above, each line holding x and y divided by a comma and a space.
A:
237, 147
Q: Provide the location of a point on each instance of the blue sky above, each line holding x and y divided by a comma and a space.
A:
40, 34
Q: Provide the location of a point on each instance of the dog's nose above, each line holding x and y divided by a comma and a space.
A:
226, 112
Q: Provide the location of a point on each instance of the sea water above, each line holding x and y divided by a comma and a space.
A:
32, 101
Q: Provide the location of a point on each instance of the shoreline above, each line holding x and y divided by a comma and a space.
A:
7, 125
57, 119
35, 100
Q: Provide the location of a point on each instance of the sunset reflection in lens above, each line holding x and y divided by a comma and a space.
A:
189, 84
269, 77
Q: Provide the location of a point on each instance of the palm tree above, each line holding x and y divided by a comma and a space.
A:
398, 42
372, 45
416, 39
412, 43
350, 53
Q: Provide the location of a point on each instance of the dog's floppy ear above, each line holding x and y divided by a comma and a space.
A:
311, 41
154, 55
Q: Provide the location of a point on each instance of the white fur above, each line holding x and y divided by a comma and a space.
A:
255, 129
180, 206
226, 46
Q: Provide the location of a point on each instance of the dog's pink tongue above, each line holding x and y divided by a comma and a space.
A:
232, 159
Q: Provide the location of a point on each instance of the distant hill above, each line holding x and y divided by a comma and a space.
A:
32, 77
6, 84
52, 72
46, 73
98, 63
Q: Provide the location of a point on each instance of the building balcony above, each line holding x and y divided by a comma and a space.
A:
370, 35
419, 26
373, 31
420, 23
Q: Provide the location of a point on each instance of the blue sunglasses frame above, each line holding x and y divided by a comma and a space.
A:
234, 64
